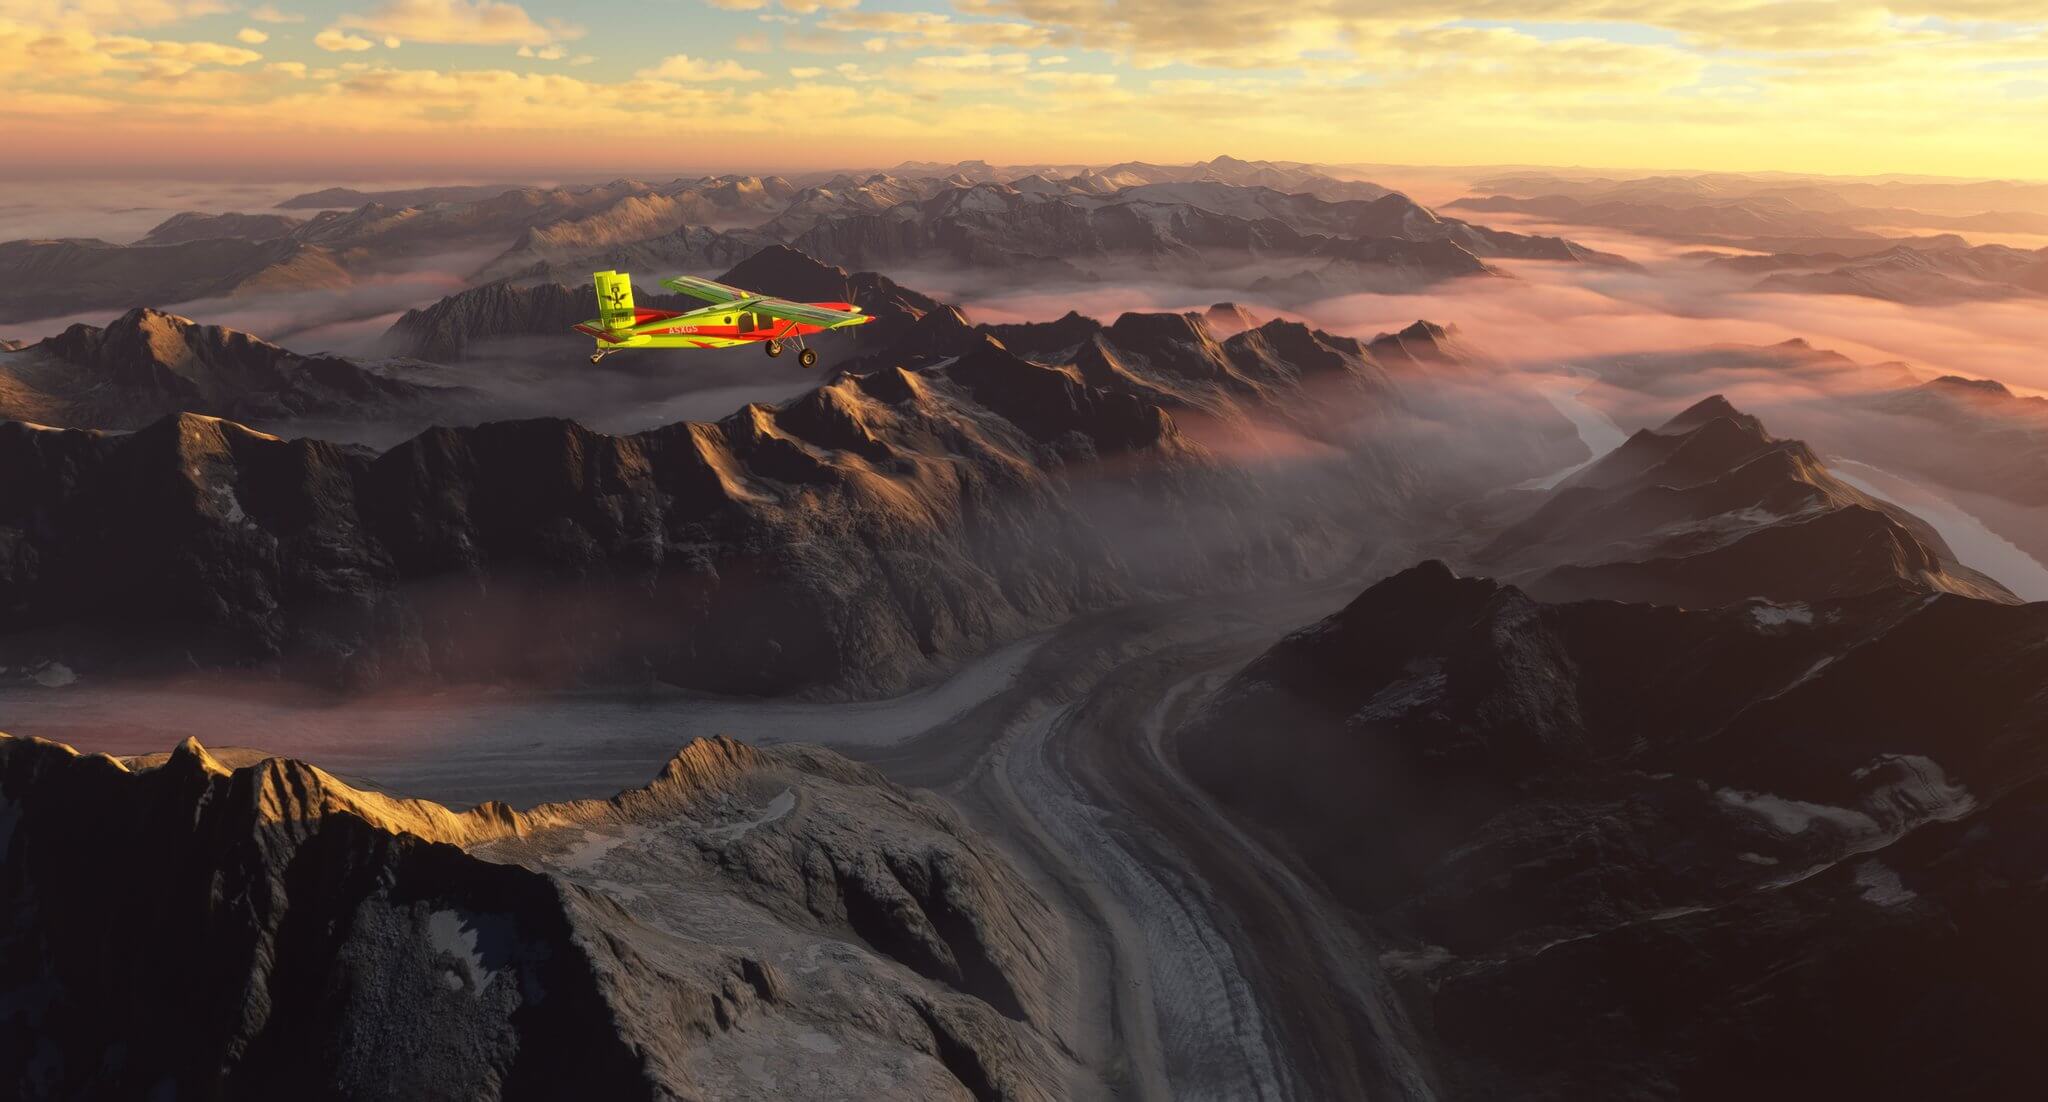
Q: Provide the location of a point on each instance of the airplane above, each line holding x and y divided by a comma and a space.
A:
732, 317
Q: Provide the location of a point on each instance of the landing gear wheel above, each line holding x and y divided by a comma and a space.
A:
807, 358
595, 357
774, 349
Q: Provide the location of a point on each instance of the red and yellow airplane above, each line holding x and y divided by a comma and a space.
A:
733, 317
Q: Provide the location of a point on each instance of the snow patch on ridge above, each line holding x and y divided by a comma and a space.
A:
1769, 615
54, 675
1404, 696
783, 803
455, 934
1881, 885
1795, 816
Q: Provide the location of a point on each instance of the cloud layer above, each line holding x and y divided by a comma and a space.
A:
1843, 86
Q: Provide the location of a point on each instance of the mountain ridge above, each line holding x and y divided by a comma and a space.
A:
324, 929
147, 364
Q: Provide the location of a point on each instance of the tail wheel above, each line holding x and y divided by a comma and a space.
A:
774, 349
807, 358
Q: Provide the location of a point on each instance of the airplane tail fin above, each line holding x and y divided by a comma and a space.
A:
615, 300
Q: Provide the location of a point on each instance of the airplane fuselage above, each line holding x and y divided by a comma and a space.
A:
718, 326
732, 316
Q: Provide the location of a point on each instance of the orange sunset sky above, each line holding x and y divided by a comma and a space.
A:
436, 87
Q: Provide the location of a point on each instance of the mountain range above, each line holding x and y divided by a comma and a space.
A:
1626, 847
941, 494
920, 515
1069, 234
1903, 273
1271, 221
1850, 198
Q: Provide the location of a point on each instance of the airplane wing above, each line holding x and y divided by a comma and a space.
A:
807, 314
709, 290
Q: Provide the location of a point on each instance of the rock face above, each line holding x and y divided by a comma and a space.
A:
752, 921
148, 364
1618, 849
1710, 509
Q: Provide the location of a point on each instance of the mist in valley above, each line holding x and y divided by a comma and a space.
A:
1067, 593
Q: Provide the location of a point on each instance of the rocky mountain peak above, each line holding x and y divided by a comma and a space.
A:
705, 765
1705, 410
1423, 342
1052, 341
1428, 585
1709, 509
1139, 331
1052, 403
1227, 319
787, 273
1308, 348
148, 363
189, 756
1973, 387
145, 335
892, 384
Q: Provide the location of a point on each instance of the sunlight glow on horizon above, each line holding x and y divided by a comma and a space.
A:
473, 88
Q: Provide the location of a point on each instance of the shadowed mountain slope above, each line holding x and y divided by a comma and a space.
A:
1711, 509
183, 927
1627, 849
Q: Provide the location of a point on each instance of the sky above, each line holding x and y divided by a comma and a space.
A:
419, 89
